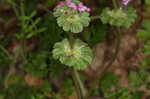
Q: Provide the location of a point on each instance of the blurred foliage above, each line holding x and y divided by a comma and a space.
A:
138, 78
37, 64
52, 33
68, 87
143, 34
93, 35
4, 60
109, 81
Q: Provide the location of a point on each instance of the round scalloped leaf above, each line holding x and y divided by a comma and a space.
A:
71, 20
79, 56
119, 17
147, 2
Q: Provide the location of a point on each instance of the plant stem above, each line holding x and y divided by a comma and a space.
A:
95, 17
6, 52
118, 36
23, 46
71, 39
23, 39
75, 75
115, 4
14, 6
115, 54
79, 85
11, 70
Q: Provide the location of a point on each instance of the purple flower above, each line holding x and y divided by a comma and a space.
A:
70, 4
61, 3
88, 9
69, 1
125, 2
82, 7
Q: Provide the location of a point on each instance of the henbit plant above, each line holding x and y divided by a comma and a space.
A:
72, 15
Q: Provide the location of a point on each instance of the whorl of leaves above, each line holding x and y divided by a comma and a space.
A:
79, 56
119, 17
71, 20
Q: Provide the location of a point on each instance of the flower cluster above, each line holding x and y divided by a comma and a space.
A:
125, 2
69, 3
72, 15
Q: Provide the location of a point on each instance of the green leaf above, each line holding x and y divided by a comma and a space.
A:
118, 17
147, 2
71, 20
79, 56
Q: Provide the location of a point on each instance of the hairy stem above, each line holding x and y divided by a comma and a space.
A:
75, 75
79, 85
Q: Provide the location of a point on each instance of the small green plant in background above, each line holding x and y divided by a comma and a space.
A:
138, 78
29, 26
119, 17
112, 90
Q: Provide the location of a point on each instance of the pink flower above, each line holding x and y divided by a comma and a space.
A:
61, 3
68, 1
70, 4
82, 7
125, 2
88, 9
